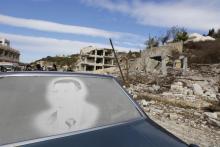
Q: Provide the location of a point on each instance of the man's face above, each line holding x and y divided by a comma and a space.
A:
66, 92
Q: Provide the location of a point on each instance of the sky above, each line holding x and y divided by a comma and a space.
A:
40, 28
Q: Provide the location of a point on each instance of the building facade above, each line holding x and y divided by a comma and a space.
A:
93, 58
160, 58
8, 54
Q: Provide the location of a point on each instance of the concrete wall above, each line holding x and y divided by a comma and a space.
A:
146, 63
165, 50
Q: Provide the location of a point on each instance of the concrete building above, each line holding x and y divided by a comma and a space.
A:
93, 58
8, 54
162, 57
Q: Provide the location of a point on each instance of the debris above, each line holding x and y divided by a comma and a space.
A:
144, 103
197, 89
173, 116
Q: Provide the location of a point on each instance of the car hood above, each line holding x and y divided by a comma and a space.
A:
139, 133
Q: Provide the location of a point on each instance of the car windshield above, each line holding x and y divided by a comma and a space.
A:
33, 107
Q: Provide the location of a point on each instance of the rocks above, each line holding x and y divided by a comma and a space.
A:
144, 103
211, 115
167, 93
166, 115
213, 118
173, 116
156, 110
197, 114
176, 117
135, 96
135, 90
176, 85
181, 100
151, 89
146, 109
214, 122
156, 87
211, 94
189, 87
178, 91
197, 89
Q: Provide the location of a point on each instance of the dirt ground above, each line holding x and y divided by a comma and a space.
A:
203, 136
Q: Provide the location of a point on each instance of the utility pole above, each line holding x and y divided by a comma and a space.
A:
117, 60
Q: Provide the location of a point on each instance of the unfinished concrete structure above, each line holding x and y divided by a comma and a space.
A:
8, 54
158, 58
93, 58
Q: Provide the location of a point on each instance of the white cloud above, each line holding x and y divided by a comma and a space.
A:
48, 26
192, 14
61, 28
33, 48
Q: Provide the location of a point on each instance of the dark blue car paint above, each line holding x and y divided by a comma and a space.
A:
140, 133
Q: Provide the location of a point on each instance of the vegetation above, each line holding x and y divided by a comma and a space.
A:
181, 36
207, 52
175, 34
62, 60
213, 33
152, 42
132, 55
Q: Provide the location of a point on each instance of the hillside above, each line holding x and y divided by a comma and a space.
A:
207, 52
61, 60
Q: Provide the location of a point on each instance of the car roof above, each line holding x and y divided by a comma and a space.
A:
53, 73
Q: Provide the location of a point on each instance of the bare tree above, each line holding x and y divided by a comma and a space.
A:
177, 34
164, 39
152, 42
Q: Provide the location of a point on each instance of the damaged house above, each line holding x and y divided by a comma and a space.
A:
93, 58
158, 58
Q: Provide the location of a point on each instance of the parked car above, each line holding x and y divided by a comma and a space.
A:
48, 109
2, 69
7, 67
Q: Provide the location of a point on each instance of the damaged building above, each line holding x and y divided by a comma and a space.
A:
159, 58
8, 54
93, 58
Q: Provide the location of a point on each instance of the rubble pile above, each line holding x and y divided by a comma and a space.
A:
213, 118
192, 86
180, 115
191, 125
190, 102
207, 69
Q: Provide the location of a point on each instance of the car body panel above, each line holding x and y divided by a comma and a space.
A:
140, 133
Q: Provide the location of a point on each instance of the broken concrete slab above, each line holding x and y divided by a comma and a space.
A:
197, 89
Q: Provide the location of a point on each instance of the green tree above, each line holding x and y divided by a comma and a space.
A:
181, 36
177, 34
